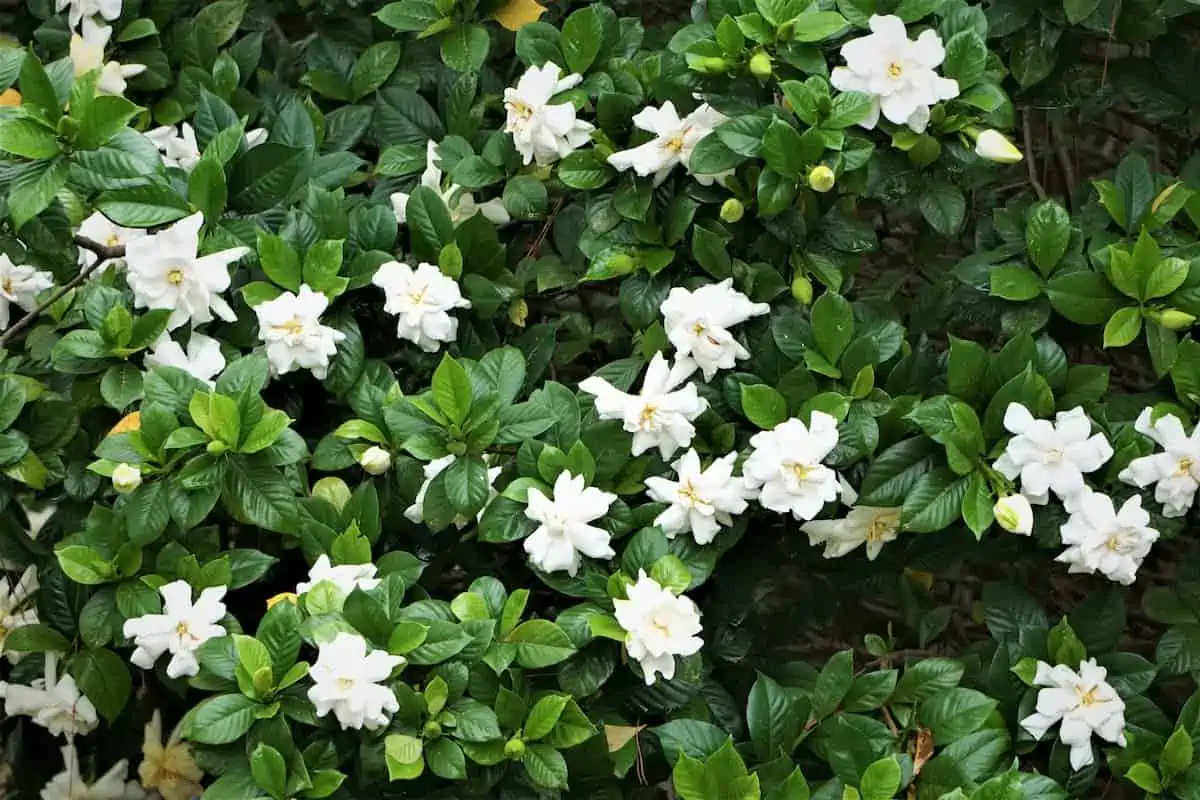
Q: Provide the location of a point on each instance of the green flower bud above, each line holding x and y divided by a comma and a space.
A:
710, 64
431, 730
821, 178
514, 749
732, 210
1176, 320
760, 65
802, 288
216, 447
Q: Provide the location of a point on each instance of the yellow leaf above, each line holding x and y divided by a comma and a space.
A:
131, 422
618, 736
519, 12
10, 97
281, 597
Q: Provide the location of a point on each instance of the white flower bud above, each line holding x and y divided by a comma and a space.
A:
375, 460
993, 146
126, 478
1014, 514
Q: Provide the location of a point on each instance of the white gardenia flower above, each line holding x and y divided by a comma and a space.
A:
1083, 702
109, 9
898, 73
564, 535
1101, 539
180, 629
993, 145
100, 228
178, 147
460, 202
1051, 456
422, 300
698, 324
202, 359
290, 325
674, 140
1014, 514
87, 54
658, 626
873, 526
1175, 472
165, 270
54, 703
16, 606
786, 464
346, 681
70, 785
19, 285
375, 460
126, 478
256, 137
701, 500
542, 131
661, 415
416, 512
346, 577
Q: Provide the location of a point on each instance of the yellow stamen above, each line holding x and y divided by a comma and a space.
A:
1087, 698
895, 70
293, 327
175, 277
675, 144
1185, 466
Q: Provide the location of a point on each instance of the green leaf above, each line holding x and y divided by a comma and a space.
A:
217, 415
787, 151
927, 678
544, 716
1176, 754
262, 178
1015, 282
832, 325
1079, 10
269, 770
103, 677
934, 502
966, 59
955, 713
410, 15
147, 512
279, 260
1083, 297
429, 221
28, 139
582, 36
143, 207
465, 47
34, 187
763, 406
373, 67
37, 90
817, 26
772, 718
452, 390
1048, 235
220, 20
880, 780
585, 169
944, 207
1123, 327
36, 638
221, 719
540, 643
445, 759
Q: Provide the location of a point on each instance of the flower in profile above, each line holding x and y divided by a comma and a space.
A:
101, 229
290, 326
416, 512
422, 300
698, 324
87, 54
1084, 702
675, 138
661, 414
898, 73
78, 9
1051, 456
564, 535
70, 785
461, 203
346, 681
19, 286
166, 270
202, 359
1014, 514
168, 767
1101, 539
993, 145
346, 577
375, 460
55, 703
543, 131
126, 478
658, 626
1175, 472
178, 147
873, 526
16, 606
180, 629
786, 464
701, 500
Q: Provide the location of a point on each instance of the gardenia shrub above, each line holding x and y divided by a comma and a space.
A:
761, 400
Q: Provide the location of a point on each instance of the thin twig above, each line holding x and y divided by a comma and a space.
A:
1029, 159
536, 244
1112, 29
103, 253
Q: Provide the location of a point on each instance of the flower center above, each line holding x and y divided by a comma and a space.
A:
293, 327
345, 684
884, 525
1087, 698
895, 70
1119, 542
7, 286
175, 277
801, 471
646, 420
418, 297
688, 492
1185, 466
1053, 456
183, 632
113, 240
521, 109
675, 143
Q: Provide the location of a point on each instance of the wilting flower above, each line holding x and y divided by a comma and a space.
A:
290, 325
16, 610
416, 512
786, 463
1175, 472
100, 228
179, 630
87, 54
1014, 514
19, 285
202, 359
994, 146
346, 577
421, 299
543, 131
698, 324
658, 626
564, 534
461, 203
899, 74
54, 703
168, 767
109, 9
701, 500
1051, 456
661, 415
346, 681
873, 526
1083, 702
165, 270
674, 140
70, 785
1101, 539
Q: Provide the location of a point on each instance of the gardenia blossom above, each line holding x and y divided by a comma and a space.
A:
460, 202
54, 703
786, 464
346, 577
16, 606
899, 74
564, 534
674, 140
1051, 456
202, 359
1175, 472
87, 54
100, 228
658, 626
873, 526
421, 299
109, 9
698, 324
701, 500
346, 681
1101, 539
19, 285
179, 630
178, 147
416, 512
994, 146
1014, 514
290, 325
168, 768
1083, 702
165, 270
542, 131
70, 785
661, 415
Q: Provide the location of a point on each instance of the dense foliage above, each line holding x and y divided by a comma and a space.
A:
471, 398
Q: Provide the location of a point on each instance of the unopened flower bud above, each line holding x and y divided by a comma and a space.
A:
514, 749
732, 210
1174, 319
821, 178
375, 460
1014, 514
994, 146
802, 288
126, 478
760, 65
216, 447
711, 64
431, 730
518, 312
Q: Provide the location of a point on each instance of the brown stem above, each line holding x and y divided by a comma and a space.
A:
1029, 159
